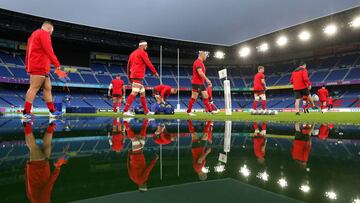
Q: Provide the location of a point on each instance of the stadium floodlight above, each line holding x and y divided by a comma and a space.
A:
282, 41
219, 55
330, 29
244, 52
304, 36
355, 23
263, 47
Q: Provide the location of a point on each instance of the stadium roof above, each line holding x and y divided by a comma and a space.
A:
225, 22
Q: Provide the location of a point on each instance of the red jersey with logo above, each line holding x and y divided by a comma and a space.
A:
301, 150
138, 60
40, 54
117, 86
323, 94
258, 85
196, 78
300, 79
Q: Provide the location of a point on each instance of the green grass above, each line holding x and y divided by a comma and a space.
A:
314, 117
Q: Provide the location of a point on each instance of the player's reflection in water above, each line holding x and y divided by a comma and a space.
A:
199, 147
324, 131
302, 143
39, 180
162, 136
116, 137
138, 170
259, 141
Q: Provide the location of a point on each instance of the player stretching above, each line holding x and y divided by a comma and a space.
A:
259, 88
197, 82
301, 85
118, 92
323, 94
138, 60
162, 92
39, 55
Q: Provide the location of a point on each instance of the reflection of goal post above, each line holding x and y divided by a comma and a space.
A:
227, 91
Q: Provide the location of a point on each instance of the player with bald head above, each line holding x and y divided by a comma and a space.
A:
39, 56
197, 83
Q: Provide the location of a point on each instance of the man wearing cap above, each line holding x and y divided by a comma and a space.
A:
138, 60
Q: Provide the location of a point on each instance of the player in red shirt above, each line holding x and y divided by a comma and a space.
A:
138, 170
199, 149
117, 139
39, 180
138, 61
323, 94
302, 144
301, 86
118, 92
260, 88
259, 141
162, 136
39, 56
197, 81
324, 130
162, 92
330, 102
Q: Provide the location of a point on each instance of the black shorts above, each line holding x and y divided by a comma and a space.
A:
117, 95
300, 93
198, 87
155, 93
300, 136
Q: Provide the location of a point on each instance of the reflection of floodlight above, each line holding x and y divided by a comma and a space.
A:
219, 168
305, 188
282, 41
245, 171
304, 36
331, 195
205, 169
330, 29
263, 47
244, 52
355, 23
282, 182
219, 55
263, 176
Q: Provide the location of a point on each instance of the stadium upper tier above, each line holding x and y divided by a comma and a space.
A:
330, 69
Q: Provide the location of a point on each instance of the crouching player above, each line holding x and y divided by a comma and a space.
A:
162, 92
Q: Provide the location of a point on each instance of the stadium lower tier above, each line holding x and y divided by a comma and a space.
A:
14, 97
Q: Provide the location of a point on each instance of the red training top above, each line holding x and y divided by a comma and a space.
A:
164, 91
323, 94
40, 54
196, 78
137, 169
300, 79
258, 85
324, 132
301, 150
117, 142
330, 101
117, 86
138, 60
39, 181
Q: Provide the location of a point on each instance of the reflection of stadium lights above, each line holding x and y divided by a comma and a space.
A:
245, 171
219, 55
282, 182
263, 176
304, 36
282, 41
244, 52
305, 188
219, 168
355, 23
330, 29
205, 169
356, 200
331, 195
263, 47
